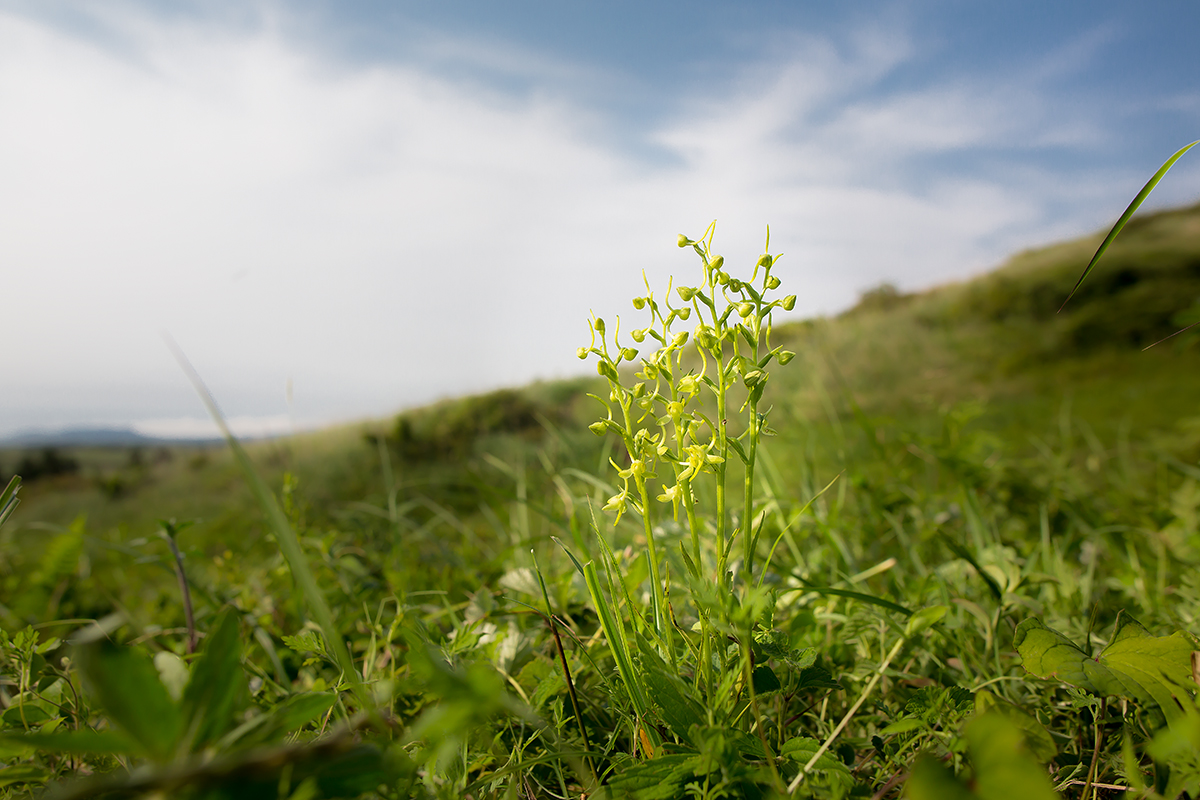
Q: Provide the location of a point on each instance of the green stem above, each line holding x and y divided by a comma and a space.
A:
720, 470
862, 698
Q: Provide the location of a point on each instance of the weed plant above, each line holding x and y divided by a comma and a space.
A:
690, 604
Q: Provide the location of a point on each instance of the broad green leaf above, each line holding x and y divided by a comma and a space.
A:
1003, 767
84, 741
19, 716
23, 773
765, 680
801, 750
903, 726
217, 688
289, 716
815, 677
125, 685
677, 708
1154, 670
930, 780
924, 619
658, 779
1037, 738
1133, 206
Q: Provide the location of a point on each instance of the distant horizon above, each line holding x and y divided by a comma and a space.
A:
343, 210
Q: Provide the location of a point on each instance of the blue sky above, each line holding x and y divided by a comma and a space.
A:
382, 203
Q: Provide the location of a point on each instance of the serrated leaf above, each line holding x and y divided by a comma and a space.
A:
1154, 670
305, 642
817, 678
658, 779
765, 680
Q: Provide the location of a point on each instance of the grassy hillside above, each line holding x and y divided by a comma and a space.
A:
988, 455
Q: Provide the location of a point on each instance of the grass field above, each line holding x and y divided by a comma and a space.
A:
936, 478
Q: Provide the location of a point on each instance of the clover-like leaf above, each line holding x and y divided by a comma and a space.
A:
1154, 670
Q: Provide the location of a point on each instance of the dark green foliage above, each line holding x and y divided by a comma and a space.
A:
450, 430
960, 515
46, 463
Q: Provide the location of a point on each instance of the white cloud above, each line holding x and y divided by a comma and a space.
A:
383, 235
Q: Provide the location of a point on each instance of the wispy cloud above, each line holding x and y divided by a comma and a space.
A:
386, 233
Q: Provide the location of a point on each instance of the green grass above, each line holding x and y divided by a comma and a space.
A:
985, 461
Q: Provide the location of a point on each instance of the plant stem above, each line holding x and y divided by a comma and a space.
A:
795, 784
1091, 776
187, 594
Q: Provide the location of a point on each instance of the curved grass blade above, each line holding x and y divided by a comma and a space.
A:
288, 541
8, 498
965, 555
860, 596
1137, 201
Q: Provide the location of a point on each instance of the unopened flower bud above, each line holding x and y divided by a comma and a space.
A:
789, 302
582, 352
753, 378
639, 389
686, 293
629, 354
765, 260
717, 262
678, 339
598, 428
598, 326
772, 282
785, 356
638, 335
684, 312
745, 309
607, 370
722, 277
683, 241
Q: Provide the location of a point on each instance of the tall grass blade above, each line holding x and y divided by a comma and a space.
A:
289, 542
614, 633
852, 595
1116, 229
8, 499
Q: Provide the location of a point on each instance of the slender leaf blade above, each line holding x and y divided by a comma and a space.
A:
217, 688
1133, 207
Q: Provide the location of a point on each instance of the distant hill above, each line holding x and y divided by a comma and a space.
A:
92, 437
